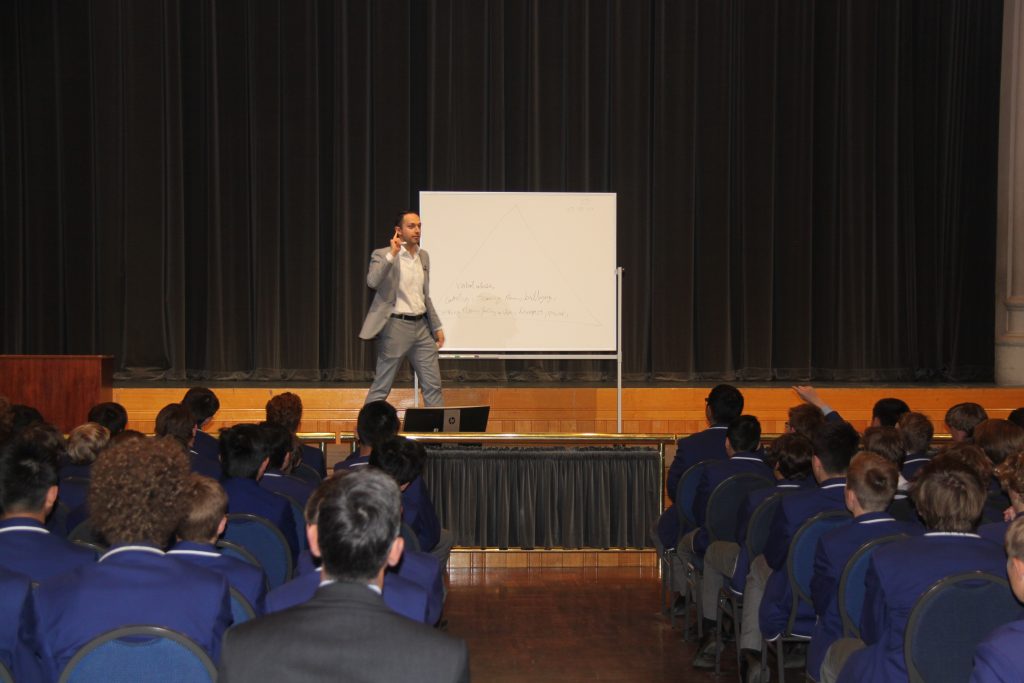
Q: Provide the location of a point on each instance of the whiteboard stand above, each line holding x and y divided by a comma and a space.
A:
616, 356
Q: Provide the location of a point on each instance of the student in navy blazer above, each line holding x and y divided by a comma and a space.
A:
723, 405
767, 588
870, 487
725, 561
1010, 473
136, 501
400, 594
16, 608
84, 444
949, 497
243, 451
202, 525
1000, 657
277, 478
203, 404
28, 492
403, 459
285, 409
377, 422
743, 436
916, 432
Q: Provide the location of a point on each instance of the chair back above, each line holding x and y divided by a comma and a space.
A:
265, 541
800, 560
232, 549
91, 545
760, 523
950, 619
686, 491
307, 474
241, 608
850, 594
725, 502
83, 531
140, 654
903, 510
299, 515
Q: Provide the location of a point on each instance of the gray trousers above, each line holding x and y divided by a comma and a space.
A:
836, 657
753, 595
719, 565
407, 338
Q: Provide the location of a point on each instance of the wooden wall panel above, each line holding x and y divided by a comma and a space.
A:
673, 410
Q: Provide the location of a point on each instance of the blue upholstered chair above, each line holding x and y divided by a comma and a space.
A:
140, 654
950, 619
265, 541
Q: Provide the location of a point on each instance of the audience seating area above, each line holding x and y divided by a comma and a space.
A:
783, 559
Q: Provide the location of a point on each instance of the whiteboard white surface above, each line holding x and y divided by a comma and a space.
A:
522, 271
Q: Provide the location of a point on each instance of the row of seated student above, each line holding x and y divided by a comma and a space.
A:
890, 482
156, 515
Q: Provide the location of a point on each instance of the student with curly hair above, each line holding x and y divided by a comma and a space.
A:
137, 498
286, 410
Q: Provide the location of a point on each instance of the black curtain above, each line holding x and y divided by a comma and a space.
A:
806, 189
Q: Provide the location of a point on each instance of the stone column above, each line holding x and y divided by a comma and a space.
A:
1009, 351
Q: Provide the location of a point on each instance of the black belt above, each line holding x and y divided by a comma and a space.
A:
403, 316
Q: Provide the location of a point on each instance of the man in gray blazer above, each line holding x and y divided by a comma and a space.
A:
402, 317
346, 632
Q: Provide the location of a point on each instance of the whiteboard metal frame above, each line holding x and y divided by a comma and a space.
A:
616, 356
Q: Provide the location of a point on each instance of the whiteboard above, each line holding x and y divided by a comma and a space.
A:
522, 271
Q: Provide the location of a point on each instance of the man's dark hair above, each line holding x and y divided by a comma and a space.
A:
1016, 417
835, 444
744, 433
948, 496
377, 421
175, 420
358, 519
886, 442
279, 442
22, 416
399, 217
27, 471
111, 415
725, 402
202, 403
792, 455
888, 411
400, 457
243, 448
285, 409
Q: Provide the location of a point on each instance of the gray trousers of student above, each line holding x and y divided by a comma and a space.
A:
753, 595
719, 566
682, 556
836, 657
407, 338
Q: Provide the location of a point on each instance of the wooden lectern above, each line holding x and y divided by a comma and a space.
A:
62, 388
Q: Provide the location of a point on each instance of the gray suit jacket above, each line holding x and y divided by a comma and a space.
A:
344, 633
383, 277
